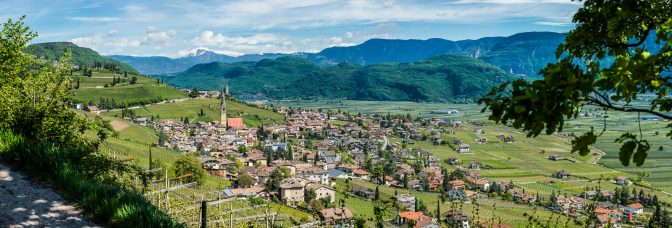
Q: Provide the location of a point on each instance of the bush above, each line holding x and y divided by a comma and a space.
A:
109, 203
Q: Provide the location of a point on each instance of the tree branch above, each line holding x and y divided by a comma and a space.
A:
641, 40
627, 109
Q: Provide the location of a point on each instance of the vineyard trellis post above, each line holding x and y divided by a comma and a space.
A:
204, 214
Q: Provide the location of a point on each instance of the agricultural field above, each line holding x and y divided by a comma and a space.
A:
190, 108
525, 161
92, 89
482, 209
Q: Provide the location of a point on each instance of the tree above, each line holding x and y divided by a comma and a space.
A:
438, 210
77, 85
35, 100
193, 93
379, 213
189, 165
360, 222
377, 194
309, 195
245, 180
134, 80
273, 183
633, 37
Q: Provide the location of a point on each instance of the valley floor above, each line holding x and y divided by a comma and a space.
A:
24, 203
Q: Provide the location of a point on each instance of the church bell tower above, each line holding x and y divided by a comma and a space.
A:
223, 119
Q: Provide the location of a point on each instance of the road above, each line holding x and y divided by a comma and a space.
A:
24, 203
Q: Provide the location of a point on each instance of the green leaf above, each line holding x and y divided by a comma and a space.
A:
626, 151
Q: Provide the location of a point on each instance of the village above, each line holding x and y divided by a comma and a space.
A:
302, 162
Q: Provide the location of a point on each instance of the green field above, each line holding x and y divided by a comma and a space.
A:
509, 212
146, 90
252, 116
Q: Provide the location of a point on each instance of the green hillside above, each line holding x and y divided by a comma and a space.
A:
81, 56
191, 108
104, 82
99, 90
443, 78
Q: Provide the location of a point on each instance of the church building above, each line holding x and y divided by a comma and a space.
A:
235, 123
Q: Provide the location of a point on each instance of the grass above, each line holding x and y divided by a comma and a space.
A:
252, 116
102, 199
145, 91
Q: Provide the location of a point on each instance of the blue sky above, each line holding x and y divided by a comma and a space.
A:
234, 27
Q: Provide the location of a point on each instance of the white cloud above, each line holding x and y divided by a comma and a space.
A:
209, 38
90, 42
95, 19
554, 23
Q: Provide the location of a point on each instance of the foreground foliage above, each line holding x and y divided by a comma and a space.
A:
42, 135
637, 36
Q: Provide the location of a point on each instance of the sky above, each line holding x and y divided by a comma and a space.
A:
176, 28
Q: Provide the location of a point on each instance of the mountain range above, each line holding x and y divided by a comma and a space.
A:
520, 54
445, 78
157, 65
433, 70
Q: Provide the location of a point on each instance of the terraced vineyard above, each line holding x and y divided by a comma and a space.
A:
252, 116
99, 86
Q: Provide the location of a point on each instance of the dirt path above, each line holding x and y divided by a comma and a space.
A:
27, 204
118, 125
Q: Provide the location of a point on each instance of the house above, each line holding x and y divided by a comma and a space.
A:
474, 165
481, 184
276, 146
456, 185
93, 109
360, 173
455, 218
562, 174
315, 174
363, 192
452, 161
623, 180
607, 217
322, 191
333, 216
463, 148
554, 157
337, 174
292, 190
140, 121
246, 192
634, 208
419, 219
406, 200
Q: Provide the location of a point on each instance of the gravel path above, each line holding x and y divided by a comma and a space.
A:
27, 204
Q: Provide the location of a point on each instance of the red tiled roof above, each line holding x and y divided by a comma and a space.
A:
361, 172
413, 215
236, 123
636, 206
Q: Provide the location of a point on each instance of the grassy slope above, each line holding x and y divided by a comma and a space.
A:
92, 89
252, 116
